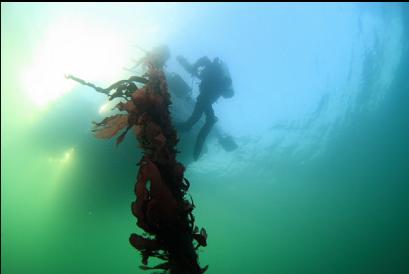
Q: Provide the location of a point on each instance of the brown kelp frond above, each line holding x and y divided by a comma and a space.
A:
161, 208
110, 126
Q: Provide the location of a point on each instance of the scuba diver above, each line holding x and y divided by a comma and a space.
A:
183, 102
215, 81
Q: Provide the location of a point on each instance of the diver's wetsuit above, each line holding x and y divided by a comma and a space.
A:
213, 84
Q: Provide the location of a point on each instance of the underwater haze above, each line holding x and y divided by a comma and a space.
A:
319, 183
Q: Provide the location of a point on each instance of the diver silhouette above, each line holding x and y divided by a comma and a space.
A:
215, 81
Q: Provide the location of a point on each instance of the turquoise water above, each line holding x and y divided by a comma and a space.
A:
319, 183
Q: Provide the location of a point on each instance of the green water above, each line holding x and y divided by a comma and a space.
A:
329, 195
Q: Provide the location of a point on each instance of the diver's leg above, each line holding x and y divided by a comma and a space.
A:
210, 121
197, 113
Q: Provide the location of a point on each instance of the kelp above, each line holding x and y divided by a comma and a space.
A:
161, 207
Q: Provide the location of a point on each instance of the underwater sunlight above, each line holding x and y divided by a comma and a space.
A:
285, 148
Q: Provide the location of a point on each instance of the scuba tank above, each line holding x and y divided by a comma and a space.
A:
228, 91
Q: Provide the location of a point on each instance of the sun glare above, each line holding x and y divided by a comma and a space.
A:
73, 47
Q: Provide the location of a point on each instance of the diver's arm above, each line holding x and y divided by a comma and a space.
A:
202, 62
185, 64
193, 69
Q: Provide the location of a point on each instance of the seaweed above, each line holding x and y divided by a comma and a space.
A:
161, 207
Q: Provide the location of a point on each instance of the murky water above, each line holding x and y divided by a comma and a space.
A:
319, 183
